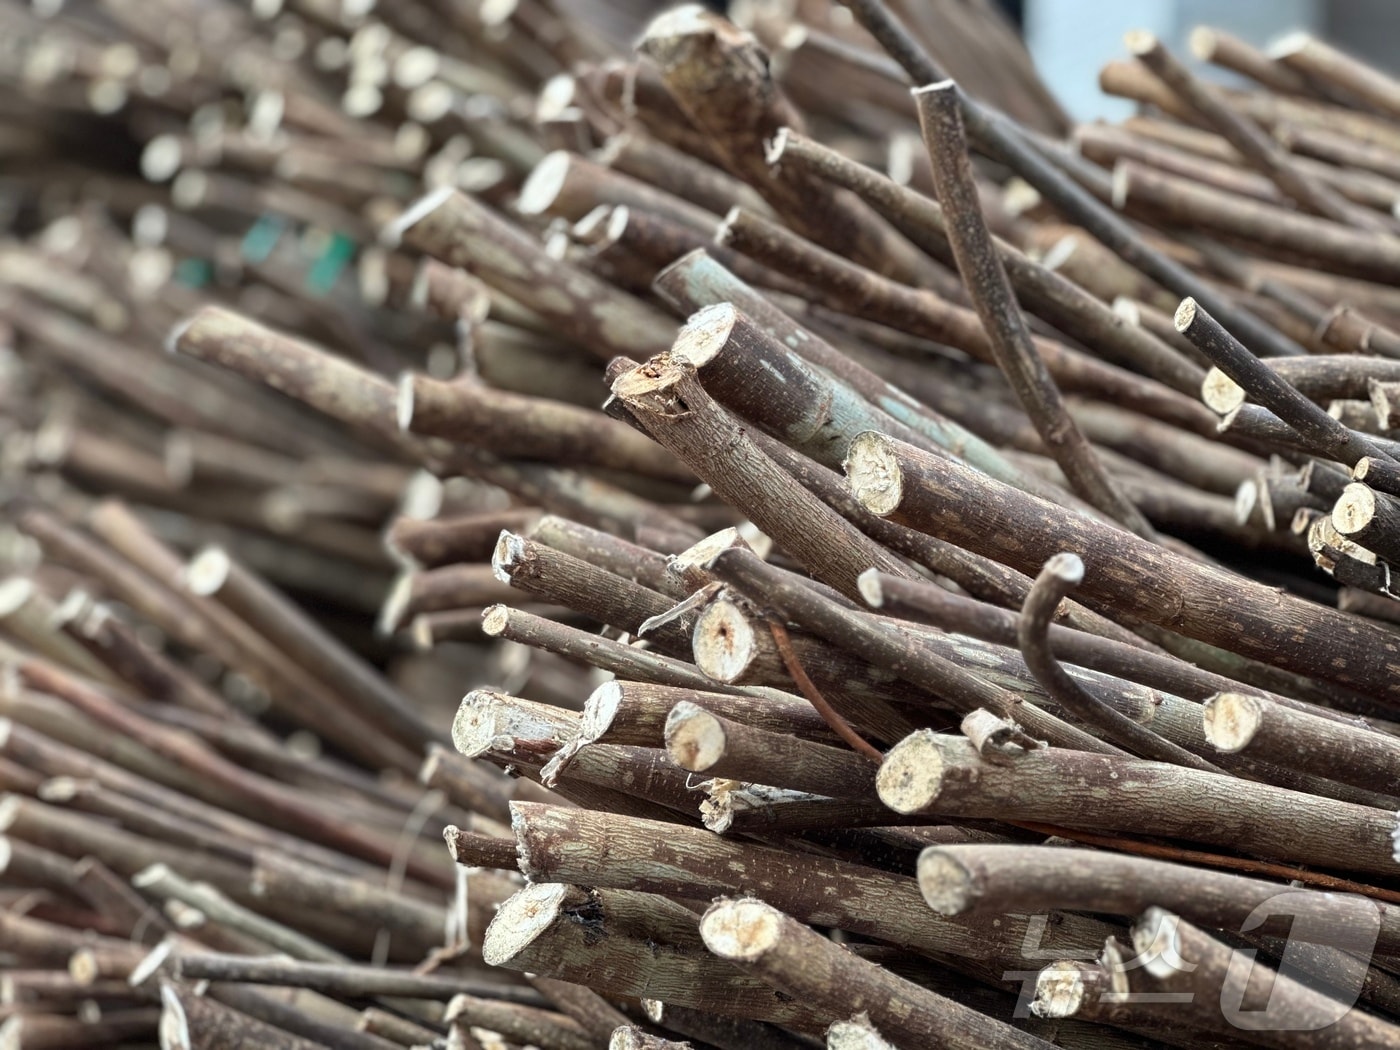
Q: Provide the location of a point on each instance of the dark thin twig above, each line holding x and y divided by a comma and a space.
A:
1325, 435
1009, 144
1059, 577
1045, 292
809, 689
991, 295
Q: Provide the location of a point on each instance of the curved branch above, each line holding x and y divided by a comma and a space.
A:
1057, 579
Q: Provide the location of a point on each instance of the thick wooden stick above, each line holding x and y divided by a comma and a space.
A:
264, 793
1320, 378
452, 227
1317, 59
1237, 722
193, 1022
631, 1037
865, 294
460, 538
1092, 992
626, 661
1270, 228
214, 573
991, 879
1189, 960
759, 378
734, 643
696, 280
730, 1033
1052, 297
719, 76
932, 773
161, 881
667, 397
606, 849
904, 654
341, 979
636, 713
979, 576
856, 1034
528, 427
330, 384
812, 969
570, 186
652, 948
1369, 518
704, 742
590, 1010
1230, 52
526, 1025
632, 561
1124, 572
681, 174
609, 599
1256, 147
926, 603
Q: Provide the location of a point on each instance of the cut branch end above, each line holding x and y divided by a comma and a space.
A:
1231, 720
874, 474
741, 930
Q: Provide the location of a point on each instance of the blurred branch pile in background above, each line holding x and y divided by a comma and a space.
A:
751, 441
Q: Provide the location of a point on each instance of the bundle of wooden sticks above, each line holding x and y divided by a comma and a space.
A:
920, 572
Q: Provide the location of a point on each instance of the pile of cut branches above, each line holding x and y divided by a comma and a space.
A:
920, 571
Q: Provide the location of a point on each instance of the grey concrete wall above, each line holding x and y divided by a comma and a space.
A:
1367, 28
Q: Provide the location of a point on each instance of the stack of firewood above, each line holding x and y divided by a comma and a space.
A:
920, 572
